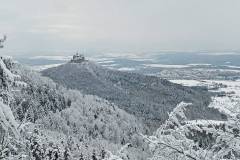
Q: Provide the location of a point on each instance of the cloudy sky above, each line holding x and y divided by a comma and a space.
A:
43, 27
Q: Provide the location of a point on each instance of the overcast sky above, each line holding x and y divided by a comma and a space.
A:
63, 26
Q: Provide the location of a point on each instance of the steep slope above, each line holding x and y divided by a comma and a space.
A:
8, 81
149, 98
179, 138
45, 114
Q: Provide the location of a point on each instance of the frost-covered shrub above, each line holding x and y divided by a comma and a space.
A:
180, 138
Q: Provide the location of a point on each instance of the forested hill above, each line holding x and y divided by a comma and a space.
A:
147, 97
38, 116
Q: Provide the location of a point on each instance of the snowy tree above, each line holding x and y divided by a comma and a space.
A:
8, 125
7, 119
179, 138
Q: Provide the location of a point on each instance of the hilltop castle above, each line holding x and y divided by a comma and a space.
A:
77, 58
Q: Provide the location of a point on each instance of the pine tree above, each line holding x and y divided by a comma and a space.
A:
66, 154
81, 157
94, 156
103, 153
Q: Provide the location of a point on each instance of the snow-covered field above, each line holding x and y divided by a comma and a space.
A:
165, 66
126, 69
60, 58
229, 102
43, 67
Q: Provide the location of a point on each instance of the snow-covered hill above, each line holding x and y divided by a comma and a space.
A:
40, 119
148, 97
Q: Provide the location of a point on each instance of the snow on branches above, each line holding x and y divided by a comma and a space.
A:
182, 139
7, 119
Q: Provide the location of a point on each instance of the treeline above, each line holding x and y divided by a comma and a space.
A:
149, 98
48, 115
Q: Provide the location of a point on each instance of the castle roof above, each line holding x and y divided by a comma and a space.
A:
78, 58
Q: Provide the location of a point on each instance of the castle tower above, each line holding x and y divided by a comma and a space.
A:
77, 58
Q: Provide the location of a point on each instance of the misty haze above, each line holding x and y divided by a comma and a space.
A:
119, 80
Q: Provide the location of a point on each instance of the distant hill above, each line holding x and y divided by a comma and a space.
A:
147, 97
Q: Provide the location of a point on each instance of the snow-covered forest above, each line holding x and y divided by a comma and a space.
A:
149, 98
41, 119
119, 80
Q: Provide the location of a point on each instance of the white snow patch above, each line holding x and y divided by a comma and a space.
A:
109, 65
205, 122
230, 66
199, 64
100, 59
142, 59
188, 82
104, 62
219, 53
126, 69
229, 104
165, 66
60, 58
43, 67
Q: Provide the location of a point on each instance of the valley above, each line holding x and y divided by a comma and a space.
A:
149, 98
119, 80
228, 101
87, 110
